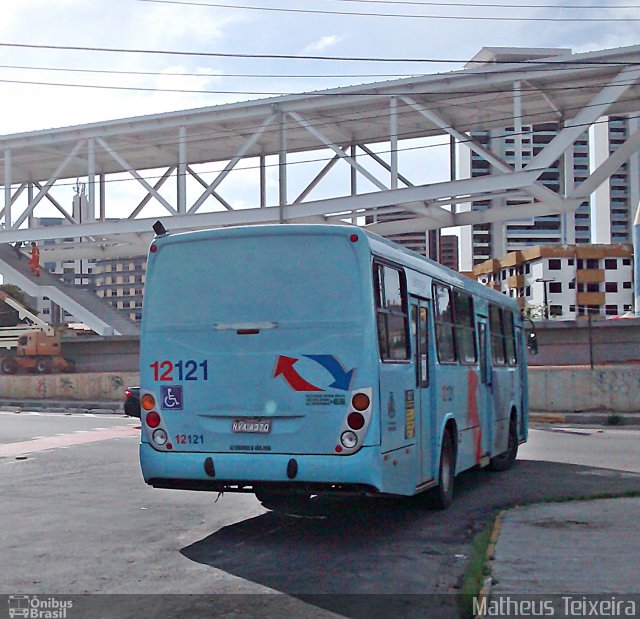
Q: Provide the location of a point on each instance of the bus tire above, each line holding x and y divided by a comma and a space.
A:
443, 492
505, 460
291, 504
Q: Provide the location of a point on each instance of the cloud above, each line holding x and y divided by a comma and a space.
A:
323, 44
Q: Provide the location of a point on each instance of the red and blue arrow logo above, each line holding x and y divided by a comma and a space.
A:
341, 377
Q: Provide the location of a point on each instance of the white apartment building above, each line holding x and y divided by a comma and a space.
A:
564, 282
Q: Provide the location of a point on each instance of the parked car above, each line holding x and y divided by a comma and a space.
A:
132, 402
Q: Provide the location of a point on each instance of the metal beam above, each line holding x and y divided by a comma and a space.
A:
244, 149
364, 202
336, 149
316, 180
123, 162
576, 126
161, 181
537, 191
620, 156
52, 179
182, 169
7, 189
68, 216
214, 194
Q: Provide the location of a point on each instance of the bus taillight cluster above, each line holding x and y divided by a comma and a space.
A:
153, 421
355, 425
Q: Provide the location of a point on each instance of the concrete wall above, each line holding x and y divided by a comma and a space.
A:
567, 342
567, 389
103, 354
94, 387
560, 343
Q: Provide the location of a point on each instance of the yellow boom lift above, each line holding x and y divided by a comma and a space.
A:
34, 347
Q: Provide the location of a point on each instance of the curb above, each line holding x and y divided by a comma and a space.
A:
612, 419
489, 557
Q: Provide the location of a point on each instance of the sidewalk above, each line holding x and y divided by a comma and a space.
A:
603, 418
578, 547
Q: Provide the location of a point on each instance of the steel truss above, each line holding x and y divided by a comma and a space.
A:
346, 125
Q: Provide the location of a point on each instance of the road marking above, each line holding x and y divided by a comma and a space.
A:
33, 413
67, 440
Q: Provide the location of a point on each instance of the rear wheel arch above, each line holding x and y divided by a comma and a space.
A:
505, 460
442, 494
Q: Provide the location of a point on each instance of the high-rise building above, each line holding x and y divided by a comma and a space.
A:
120, 281
605, 218
449, 251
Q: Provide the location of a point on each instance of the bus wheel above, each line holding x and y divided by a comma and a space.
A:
443, 493
505, 460
292, 504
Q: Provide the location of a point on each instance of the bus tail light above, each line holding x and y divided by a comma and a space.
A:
152, 419
148, 402
356, 421
360, 401
349, 439
159, 437
355, 426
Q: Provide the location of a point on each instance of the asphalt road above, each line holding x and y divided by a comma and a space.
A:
78, 519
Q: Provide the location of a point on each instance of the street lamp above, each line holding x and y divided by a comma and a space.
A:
546, 294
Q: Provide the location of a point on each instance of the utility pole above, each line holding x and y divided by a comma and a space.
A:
636, 262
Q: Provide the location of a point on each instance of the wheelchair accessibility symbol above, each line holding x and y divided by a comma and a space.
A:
171, 397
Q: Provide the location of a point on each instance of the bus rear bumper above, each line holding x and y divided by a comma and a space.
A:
222, 472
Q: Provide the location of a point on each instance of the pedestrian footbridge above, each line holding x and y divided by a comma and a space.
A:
85, 305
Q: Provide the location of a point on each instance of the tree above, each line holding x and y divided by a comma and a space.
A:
535, 311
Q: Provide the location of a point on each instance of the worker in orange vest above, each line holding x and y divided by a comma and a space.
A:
34, 261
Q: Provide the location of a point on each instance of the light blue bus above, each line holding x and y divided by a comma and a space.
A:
299, 360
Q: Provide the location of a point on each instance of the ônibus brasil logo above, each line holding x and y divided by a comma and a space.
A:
34, 607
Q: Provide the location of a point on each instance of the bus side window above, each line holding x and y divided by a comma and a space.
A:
465, 327
444, 324
497, 335
509, 337
391, 313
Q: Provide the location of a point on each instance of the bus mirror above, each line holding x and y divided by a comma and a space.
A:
532, 343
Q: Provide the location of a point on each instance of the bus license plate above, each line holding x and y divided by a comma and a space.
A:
251, 426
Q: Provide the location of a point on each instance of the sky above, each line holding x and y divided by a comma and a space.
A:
113, 84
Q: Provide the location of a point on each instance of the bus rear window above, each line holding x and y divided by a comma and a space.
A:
284, 279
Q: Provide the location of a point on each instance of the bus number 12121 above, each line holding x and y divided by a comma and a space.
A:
163, 371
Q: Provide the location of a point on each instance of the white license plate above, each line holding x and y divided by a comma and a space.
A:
251, 426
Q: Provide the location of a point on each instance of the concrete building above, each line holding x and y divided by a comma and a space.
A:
614, 203
121, 282
449, 251
564, 282
74, 272
606, 218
